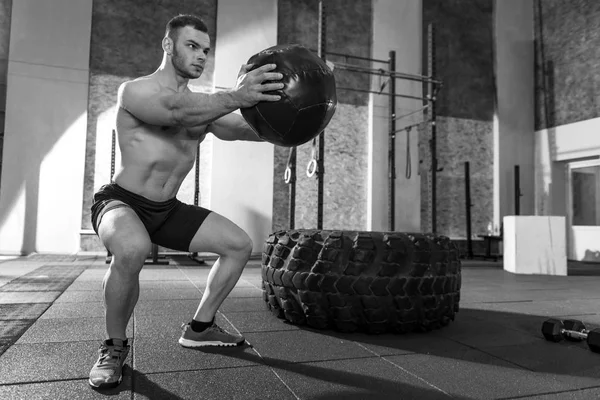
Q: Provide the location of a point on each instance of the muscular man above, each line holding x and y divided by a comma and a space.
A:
159, 123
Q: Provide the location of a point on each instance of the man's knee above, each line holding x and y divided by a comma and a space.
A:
241, 245
129, 257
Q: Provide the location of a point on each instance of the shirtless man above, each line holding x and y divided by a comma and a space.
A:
159, 124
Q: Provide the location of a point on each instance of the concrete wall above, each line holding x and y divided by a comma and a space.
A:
43, 156
514, 123
345, 183
397, 26
121, 29
567, 61
567, 74
465, 108
241, 174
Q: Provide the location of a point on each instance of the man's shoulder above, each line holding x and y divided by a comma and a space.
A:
140, 89
142, 84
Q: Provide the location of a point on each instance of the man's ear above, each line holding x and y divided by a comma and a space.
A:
167, 45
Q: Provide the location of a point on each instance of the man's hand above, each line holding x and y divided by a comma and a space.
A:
250, 86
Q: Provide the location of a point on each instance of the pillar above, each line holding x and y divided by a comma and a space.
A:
242, 172
397, 25
514, 134
45, 128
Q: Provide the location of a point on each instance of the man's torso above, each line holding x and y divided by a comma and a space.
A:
154, 159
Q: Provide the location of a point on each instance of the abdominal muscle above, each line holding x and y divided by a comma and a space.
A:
155, 161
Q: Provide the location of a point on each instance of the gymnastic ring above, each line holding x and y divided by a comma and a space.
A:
311, 168
287, 175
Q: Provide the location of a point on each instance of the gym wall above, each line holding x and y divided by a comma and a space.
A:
5, 8
345, 184
567, 77
465, 110
566, 60
125, 44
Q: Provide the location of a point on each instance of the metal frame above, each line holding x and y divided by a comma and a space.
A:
433, 85
390, 73
322, 35
112, 173
392, 144
468, 206
431, 99
194, 255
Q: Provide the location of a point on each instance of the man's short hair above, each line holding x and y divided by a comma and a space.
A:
181, 21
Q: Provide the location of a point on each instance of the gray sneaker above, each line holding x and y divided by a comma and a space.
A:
212, 336
108, 370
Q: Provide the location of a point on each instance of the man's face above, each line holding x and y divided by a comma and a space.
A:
190, 52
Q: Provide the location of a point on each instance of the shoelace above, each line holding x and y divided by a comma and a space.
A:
214, 326
106, 353
218, 328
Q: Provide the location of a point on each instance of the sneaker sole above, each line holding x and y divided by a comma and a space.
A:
192, 343
106, 385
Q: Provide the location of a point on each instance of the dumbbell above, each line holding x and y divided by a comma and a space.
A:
555, 330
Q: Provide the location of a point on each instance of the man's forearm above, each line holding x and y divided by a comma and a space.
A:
245, 132
233, 127
240, 130
191, 109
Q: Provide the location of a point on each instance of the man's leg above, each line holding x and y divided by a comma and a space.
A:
126, 238
234, 247
219, 235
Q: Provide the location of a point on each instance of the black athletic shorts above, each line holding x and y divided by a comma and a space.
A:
171, 224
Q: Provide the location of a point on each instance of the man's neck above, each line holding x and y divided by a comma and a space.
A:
167, 75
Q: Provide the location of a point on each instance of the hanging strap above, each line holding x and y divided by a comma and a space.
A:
408, 171
382, 83
312, 167
287, 175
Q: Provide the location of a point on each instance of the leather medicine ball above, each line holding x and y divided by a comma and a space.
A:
308, 99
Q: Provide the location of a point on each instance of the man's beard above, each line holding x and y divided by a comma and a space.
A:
179, 65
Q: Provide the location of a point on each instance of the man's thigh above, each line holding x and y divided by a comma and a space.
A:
196, 229
121, 230
177, 232
219, 235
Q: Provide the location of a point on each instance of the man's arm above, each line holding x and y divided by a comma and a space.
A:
233, 127
147, 101
156, 105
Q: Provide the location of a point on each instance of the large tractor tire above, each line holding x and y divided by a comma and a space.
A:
362, 281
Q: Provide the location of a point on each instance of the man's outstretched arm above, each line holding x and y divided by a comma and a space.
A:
149, 102
233, 127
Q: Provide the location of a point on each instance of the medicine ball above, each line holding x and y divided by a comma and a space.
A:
308, 99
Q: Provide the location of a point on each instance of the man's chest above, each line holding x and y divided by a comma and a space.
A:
185, 133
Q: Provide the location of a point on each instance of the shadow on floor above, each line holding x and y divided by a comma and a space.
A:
504, 336
366, 386
574, 268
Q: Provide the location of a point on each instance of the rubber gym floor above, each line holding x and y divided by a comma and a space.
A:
52, 322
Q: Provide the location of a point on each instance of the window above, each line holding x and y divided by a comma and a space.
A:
585, 186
